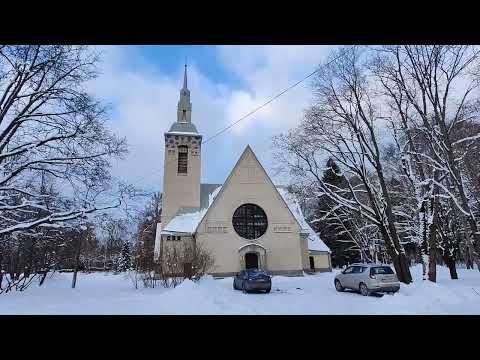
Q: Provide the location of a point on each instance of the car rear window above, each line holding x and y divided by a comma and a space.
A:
381, 270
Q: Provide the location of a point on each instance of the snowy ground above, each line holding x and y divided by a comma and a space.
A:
315, 294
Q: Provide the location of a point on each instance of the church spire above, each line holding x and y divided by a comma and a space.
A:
185, 76
184, 112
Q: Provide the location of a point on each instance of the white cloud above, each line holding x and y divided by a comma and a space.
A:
267, 70
144, 103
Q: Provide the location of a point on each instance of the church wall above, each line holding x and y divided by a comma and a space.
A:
180, 243
249, 184
180, 190
304, 250
321, 262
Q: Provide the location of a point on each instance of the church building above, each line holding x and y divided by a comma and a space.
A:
246, 222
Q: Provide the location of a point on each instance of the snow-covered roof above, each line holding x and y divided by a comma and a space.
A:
314, 241
187, 220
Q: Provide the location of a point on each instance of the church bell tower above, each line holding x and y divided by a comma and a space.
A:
182, 164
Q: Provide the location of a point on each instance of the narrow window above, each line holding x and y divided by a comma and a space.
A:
182, 159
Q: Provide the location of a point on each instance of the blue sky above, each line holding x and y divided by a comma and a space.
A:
169, 59
141, 83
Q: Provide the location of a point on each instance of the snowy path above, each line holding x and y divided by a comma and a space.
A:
113, 294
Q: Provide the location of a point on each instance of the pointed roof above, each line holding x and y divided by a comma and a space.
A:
185, 87
184, 125
247, 150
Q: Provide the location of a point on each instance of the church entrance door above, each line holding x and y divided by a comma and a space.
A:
251, 260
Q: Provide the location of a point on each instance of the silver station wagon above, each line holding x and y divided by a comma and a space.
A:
368, 278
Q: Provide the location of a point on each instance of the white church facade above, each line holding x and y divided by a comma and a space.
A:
246, 222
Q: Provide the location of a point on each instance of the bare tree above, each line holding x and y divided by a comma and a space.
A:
180, 260
434, 91
55, 153
82, 236
345, 124
50, 125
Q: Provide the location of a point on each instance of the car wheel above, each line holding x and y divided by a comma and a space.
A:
234, 286
339, 286
268, 290
364, 290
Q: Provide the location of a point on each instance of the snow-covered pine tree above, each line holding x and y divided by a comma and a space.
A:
334, 226
332, 174
116, 264
125, 262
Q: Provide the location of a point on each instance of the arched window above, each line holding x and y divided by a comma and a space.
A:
250, 221
182, 159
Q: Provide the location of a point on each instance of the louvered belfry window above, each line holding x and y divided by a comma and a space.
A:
182, 159
250, 221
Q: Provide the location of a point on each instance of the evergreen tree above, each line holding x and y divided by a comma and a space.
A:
116, 264
343, 251
332, 174
125, 262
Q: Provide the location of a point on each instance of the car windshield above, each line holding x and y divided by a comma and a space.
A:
382, 270
256, 272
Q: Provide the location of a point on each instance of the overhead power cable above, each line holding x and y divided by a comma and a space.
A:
228, 127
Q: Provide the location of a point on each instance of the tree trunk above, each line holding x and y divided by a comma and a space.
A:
432, 234
468, 249
400, 264
424, 245
468, 263
432, 267
450, 262
397, 254
77, 260
105, 260
42, 279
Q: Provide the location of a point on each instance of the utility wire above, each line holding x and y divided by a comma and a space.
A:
260, 107
254, 110
243, 117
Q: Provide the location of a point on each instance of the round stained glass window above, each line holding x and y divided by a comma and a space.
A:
250, 221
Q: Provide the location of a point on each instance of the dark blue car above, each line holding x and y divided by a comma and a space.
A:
252, 280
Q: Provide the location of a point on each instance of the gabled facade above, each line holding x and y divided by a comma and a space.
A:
247, 222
